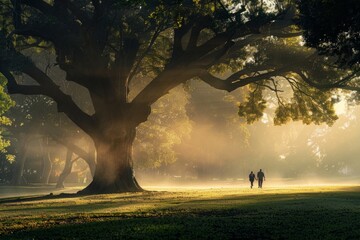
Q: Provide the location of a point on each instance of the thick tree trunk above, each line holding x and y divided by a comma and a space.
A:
114, 173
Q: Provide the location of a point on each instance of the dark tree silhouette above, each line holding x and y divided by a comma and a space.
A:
333, 27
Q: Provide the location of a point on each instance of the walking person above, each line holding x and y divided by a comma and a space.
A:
251, 179
261, 178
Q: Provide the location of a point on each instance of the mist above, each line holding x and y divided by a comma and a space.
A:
221, 149
194, 137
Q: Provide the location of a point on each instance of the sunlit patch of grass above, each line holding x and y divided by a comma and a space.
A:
299, 212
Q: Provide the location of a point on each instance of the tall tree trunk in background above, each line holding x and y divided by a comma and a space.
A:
90, 160
67, 169
46, 161
89, 157
47, 168
18, 174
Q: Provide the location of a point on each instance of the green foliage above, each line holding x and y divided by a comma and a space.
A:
5, 104
35, 111
295, 99
253, 107
8, 58
333, 27
306, 108
154, 62
167, 127
300, 103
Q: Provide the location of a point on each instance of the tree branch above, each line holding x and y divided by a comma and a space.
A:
199, 25
282, 22
49, 10
177, 44
162, 84
210, 45
14, 88
338, 84
216, 47
43, 7
296, 85
16, 13
26, 30
143, 55
274, 89
64, 102
68, 144
81, 15
286, 34
214, 57
250, 28
233, 82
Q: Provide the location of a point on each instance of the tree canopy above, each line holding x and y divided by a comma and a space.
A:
333, 28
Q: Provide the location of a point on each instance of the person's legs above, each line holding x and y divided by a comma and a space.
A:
260, 183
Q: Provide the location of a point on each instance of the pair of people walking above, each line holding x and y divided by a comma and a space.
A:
260, 178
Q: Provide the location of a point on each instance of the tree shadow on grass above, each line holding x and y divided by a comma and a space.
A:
37, 198
52, 196
78, 204
310, 215
330, 215
207, 225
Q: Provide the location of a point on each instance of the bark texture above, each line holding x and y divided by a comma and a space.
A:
114, 172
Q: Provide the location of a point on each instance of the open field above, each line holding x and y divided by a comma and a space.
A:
317, 212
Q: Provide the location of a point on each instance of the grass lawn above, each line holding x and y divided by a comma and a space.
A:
318, 212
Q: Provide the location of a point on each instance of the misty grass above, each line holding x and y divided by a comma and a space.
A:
277, 213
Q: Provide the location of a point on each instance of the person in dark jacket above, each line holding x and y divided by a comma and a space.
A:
261, 178
251, 179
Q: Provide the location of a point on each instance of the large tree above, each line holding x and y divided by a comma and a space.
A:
107, 46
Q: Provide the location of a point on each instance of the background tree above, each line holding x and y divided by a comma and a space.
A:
105, 45
335, 33
35, 119
167, 127
6, 158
